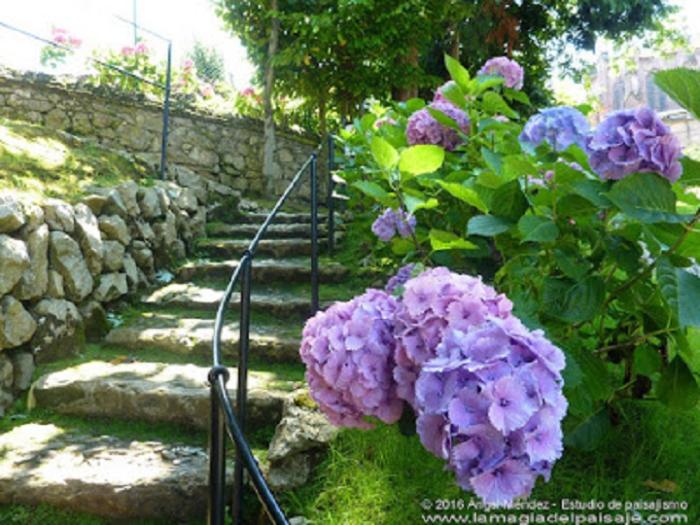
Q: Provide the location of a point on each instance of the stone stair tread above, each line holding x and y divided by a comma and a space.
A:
257, 217
102, 475
248, 230
204, 297
264, 269
177, 334
270, 247
152, 392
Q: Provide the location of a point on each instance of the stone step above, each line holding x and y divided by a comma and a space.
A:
177, 334
296, 269
192, 296
122, 480
152, 392
274, 231
282, 217
268, 247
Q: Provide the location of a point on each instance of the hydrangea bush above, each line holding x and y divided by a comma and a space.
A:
592, 232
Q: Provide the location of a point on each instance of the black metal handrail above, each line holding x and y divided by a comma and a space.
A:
223, 418
166, 88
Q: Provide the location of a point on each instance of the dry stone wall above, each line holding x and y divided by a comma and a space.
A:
226, 152
61, 263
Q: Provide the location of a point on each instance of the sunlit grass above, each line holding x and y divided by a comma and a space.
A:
381, 476
40, 162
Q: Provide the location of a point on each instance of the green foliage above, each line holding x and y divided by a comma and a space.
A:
337, 54
208, 63
683, 86
607, 268
381, 477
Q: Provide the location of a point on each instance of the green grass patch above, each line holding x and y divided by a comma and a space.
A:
381, 476
45, 163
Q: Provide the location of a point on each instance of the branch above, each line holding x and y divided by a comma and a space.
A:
627, 285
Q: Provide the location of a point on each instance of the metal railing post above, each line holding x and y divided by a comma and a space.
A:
166, 113
314, 234
242, 386
329, 201
217, 452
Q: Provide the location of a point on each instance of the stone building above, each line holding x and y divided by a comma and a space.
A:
630, 86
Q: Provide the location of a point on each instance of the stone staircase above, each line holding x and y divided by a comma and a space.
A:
159, 479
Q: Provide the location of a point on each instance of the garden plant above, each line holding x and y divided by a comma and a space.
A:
588, 239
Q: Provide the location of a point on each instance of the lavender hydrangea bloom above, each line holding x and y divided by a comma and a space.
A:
423, 128
559, 126
392, 222
384, 226
401, 277
432, 304
631, 141
510, 70
348, 352
490, 402
405, 224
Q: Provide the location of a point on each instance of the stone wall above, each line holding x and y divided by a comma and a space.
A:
226, 151
60, 263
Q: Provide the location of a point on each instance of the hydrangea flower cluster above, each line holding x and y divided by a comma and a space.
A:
631, 141
487, 392
559, 126
490, 403
348, 351
423, 128
510, 70
401, 277
434, 303
392, 222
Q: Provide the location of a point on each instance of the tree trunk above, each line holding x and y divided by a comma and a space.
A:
271, 169
406, 92
455, 43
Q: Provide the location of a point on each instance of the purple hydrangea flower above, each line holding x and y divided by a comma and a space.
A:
490, 402
401, 277
631, 141
405, 224
504, 67
432, 304
392, 222
384, 226
348, 352
423, 128
559, 126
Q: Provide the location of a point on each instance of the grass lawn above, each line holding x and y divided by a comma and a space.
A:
45, 163
380, 477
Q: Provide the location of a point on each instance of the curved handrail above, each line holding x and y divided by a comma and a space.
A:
219, 374
248, 255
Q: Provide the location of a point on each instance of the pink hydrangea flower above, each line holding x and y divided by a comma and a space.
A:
141, 49
348, 351
432, 304
423, 128
510, 70
127, 51
206, 90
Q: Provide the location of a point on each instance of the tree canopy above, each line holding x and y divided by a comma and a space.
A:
337, 53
